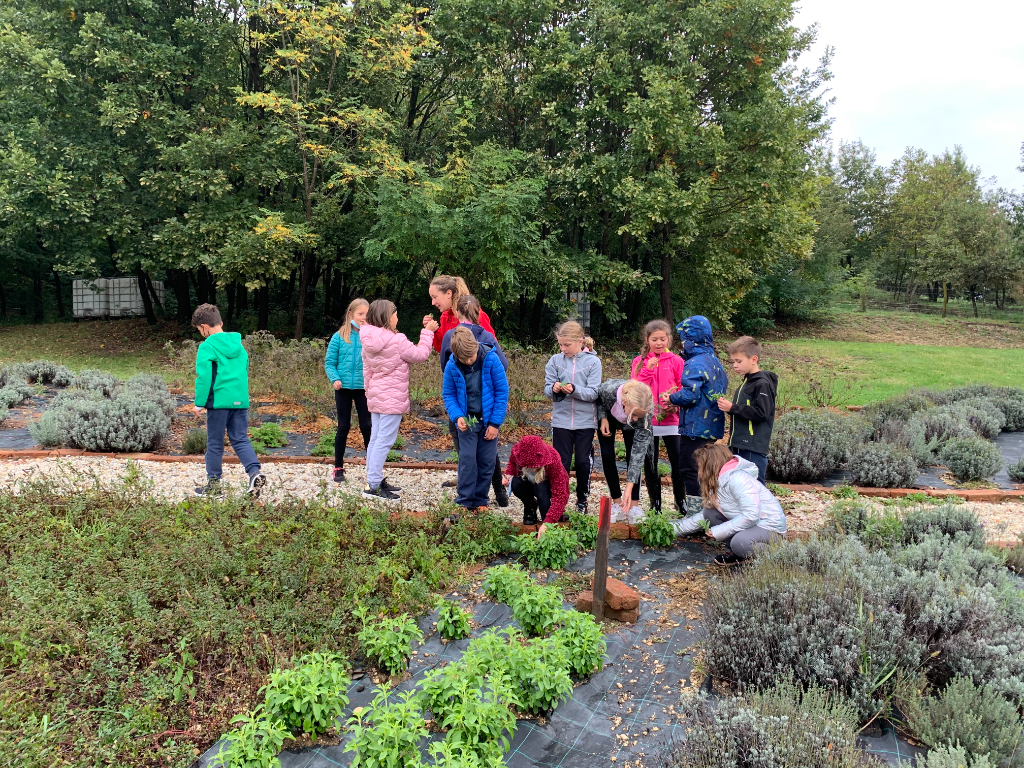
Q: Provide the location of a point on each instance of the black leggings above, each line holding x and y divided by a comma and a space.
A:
688, 465
581, 443
535, 496
343, 400
496, 478
611, 471
651, 471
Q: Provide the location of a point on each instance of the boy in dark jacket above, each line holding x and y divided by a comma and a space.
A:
222, 390
752, 408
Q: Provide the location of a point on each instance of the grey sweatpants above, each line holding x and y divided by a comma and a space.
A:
746, 541
382, 438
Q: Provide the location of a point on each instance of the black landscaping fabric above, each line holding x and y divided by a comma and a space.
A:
641, 679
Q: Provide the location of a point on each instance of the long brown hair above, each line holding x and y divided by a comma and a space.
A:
453, 283
380, 313
653, 327
710, 460
469, 308
346, 327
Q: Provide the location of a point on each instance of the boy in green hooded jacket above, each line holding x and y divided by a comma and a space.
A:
222, 390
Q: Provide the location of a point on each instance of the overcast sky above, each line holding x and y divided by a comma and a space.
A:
928, 74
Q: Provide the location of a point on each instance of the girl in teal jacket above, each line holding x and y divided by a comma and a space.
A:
344, 367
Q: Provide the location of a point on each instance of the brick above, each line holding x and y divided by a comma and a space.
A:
634, 532
618, 531
585, 604
620, 597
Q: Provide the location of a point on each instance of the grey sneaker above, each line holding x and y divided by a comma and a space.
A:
380, 492
211, 489
257, 481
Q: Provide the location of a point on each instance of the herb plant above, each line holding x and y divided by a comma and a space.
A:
704, 525
585, 528
389, 643
479, 721
656, 529
583, 642
505, 582
452, 620
256, 742
395, 456
194, 442
541, 675
269, 435
389, 734
537, 609
309, 697
553, 551
324, 444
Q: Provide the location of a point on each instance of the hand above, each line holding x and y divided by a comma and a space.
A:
491, 433
461, 424
627, 501
652, 362
568, 389
556, 387
427, 320
432, 326
197, 410
724, 405
605, 430
663, 398
540, 531
709, 534
505, 479
337, 385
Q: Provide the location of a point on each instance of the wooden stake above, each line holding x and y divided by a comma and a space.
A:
604, 523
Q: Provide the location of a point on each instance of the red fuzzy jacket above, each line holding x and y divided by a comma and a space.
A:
449, 320
533, 452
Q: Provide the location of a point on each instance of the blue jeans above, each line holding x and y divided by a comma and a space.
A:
236, 422
759, 460
476, 467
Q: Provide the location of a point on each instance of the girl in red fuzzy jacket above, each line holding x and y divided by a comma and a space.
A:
539, 480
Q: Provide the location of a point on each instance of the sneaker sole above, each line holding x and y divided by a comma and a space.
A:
256, 486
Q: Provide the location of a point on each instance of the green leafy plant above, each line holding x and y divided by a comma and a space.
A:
810, 445
452, 620
256, 742
389, 733
194, 442
620, 451
537, 609
845, 492
552, 551
664, 469
453, 457
268, 435
704, 526
395, 456
389, 642
953, 757
656, 529
400, 441
585, 528
779, 490
324, 445
971, 458
310, 696
584, 644
540, 672
471, 421
505, 582
878, 529
479, 721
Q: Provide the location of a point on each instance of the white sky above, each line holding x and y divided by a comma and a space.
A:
929, 75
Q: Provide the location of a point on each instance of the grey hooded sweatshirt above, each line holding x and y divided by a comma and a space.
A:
574, 410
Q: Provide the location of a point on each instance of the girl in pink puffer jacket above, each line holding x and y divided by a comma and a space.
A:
386, 358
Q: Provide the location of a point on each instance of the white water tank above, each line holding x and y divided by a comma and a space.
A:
111, 297
89, 298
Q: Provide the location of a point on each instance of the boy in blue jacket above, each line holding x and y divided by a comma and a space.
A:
700, 420
475, 392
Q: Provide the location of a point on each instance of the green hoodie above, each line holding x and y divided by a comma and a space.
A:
223, 364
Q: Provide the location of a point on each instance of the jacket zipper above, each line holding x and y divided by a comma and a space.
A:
572, 405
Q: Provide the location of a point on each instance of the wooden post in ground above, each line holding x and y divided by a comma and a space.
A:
604, 522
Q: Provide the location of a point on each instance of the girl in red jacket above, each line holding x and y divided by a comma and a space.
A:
661, 370
539, 479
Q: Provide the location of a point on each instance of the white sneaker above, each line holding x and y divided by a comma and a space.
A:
636, 515
618, 516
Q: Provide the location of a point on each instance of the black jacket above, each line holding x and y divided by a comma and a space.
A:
752, 417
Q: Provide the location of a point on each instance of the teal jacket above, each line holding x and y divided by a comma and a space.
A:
344, 362
222, 372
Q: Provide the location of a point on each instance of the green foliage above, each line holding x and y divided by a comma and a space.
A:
324, 445
309, 697
980, 414
664, 469
953, 757
504, 583
954, 520
620, 451
452, 458
15, 393
128, 423
876, 529
194, 442
254, 743
540, 675
46, 430
845, 492
585, 528
877, 465
479, 721
389, 733
584, 644
400, 441
452, 620
553, 551
656, 529
976, 718
268, 435
810, 445
92, 380
394, 456
537, 609
1016, 470
389, 642
779, 490
971, 458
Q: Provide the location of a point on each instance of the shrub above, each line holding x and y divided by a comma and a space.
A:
1016, 470
129, 423
46, 430
976, 718
810, 445
995, 417
957, 394
552, 551
971, 458
394, 456
656, 529
585, 528
44, 372
583, 642
254, 743
1011, 401
15, 393
878, 465
96, 381
983, 421
929, 432
452, 620
324, 445
900, 408
389, 643
537, 609
952, 757
479, 721
876, 529
784, 726
389, 733
540, 675
194, 442
151, 386
309, 697
952, 520
269, 435
505, 582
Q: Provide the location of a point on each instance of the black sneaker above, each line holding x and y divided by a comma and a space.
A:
257, 482
380, 492
211, 489
450, 484
385, 485
727, 558
338, 475
501, 496
581, 507
530, 517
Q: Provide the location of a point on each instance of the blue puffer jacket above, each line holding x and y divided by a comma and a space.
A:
344, 362
704, 380
494, 395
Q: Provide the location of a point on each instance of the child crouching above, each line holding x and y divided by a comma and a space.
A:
475, 393
539, 480
739, 509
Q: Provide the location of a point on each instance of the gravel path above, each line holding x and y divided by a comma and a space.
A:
421, 488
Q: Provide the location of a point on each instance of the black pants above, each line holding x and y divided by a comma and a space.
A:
496, 477
651, 471
688, 465
536, 497
581, 443
611, 471
343, 400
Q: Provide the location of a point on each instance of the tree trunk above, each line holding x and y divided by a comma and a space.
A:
538, 313
230, 290
308, 265
666, 287
178, 279
147, 301
3, 302
157, 304
974, 300
243, 298
37, 295
59, 293
263, 318
203, 285
945, 297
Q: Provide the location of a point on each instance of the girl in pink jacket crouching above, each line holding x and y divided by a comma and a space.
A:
386, 358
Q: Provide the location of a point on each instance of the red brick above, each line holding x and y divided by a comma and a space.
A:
618, 531
634, 532
620, 597
585, 604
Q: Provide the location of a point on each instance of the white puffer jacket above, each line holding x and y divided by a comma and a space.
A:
743, 500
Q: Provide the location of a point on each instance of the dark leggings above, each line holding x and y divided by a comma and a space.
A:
496, 476
343, 400
651, 471
611, 471
581, 443
535, 496
688, 465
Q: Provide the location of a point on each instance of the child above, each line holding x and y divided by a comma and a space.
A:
539, 480
752, 408
740, 510
662, 371
703, 382
386, 358
475, 392
445, 292
344, 366
571, 379
222, 388
624, 405
468, 311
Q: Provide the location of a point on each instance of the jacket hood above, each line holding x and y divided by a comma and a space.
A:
742, 465
226, 345
695, 333
768, 378
374, 338
531, 451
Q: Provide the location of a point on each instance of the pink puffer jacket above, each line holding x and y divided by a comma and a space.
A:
386, 358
